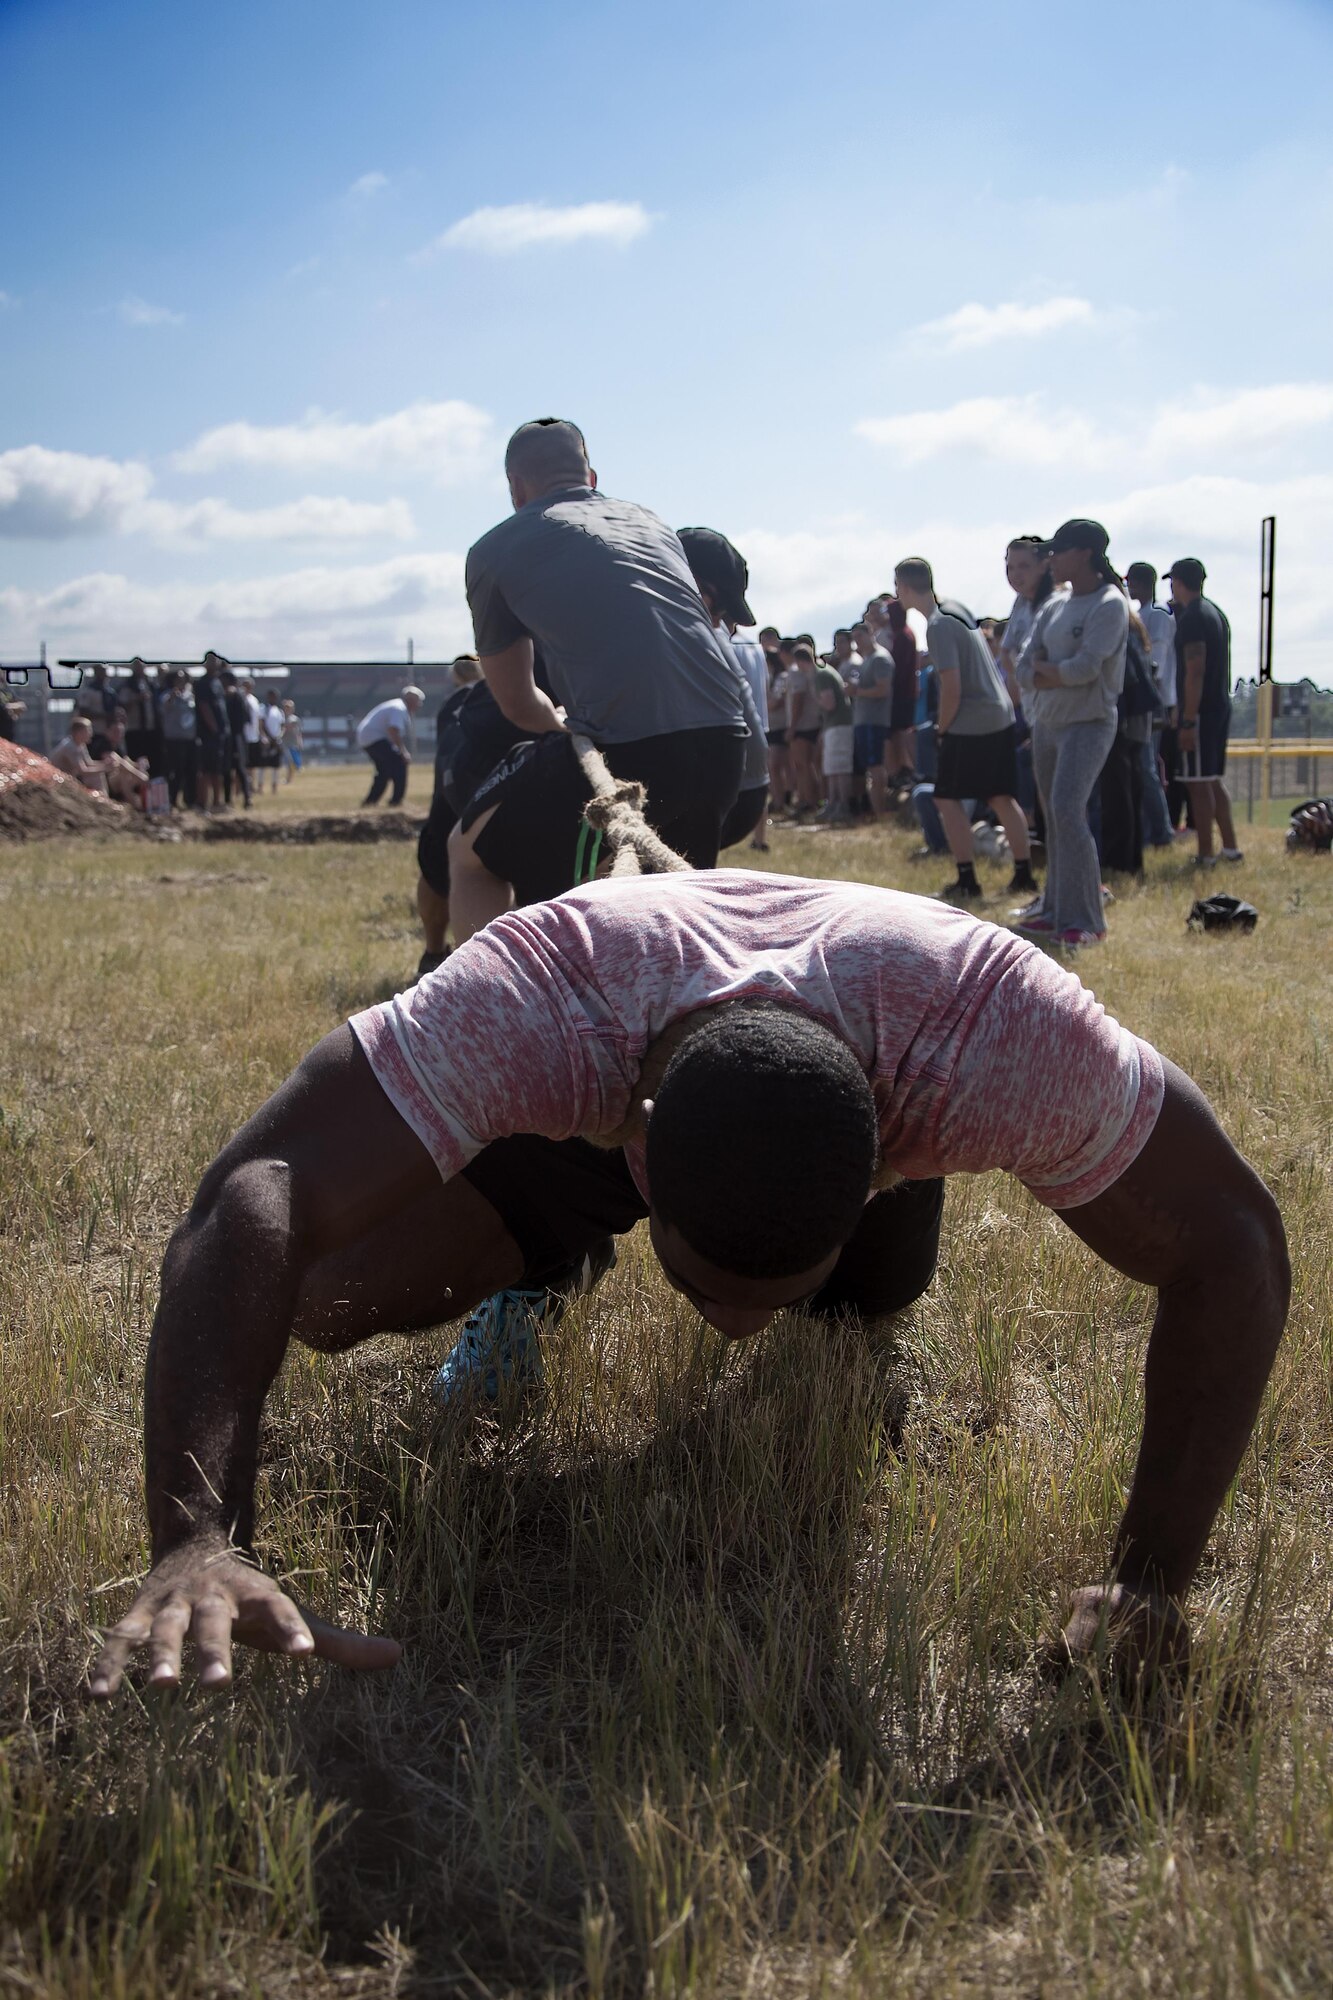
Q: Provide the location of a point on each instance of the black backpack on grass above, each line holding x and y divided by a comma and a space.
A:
1222, 913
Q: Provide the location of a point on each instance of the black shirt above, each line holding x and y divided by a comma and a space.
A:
1201, 623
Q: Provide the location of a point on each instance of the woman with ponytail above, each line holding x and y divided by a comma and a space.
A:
1071, 672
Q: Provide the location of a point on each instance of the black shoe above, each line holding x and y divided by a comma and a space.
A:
1022, 881
966, 889
429, 960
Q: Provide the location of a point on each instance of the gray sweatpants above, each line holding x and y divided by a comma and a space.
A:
1067, 764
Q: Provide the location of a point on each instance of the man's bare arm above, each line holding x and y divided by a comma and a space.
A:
509, 675
1192, 1218
1196, 661
321, 1167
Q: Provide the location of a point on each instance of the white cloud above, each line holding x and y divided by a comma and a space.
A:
1201, 429
324, 612
137, 312
1016, 429
528, 225
6, 299
817, 577
367, 185
449, 440
50, 494
980, 326
304, 268
316, 518
1247, 420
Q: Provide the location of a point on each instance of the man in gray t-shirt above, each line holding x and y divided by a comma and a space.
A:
976, 761
602, 588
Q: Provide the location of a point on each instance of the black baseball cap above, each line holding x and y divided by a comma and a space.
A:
714, 561
1190, 571
1077, 534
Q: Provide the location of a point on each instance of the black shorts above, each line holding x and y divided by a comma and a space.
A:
978, 767
776, 739
805, 735
433, 844
560, 1198
538, 791
747, 813
1208, 758
214, 755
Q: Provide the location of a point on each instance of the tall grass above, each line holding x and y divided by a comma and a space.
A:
722, 1670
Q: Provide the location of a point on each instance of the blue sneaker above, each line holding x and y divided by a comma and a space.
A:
500, 1345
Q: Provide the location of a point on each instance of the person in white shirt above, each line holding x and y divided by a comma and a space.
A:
383, 735
272, 720
723, 577
1141, 582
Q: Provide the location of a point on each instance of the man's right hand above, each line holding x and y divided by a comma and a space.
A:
210, 1592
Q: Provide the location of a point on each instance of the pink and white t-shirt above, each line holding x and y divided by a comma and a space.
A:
981, 1051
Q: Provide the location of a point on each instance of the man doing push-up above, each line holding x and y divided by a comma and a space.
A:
646, 1047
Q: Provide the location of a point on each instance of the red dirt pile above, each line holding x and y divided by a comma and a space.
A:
38, 802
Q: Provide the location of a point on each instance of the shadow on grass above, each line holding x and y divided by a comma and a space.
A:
634, 1696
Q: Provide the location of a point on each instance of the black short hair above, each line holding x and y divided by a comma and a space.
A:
763, 1141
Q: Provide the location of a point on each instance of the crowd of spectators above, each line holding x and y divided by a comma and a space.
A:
1078, 730
210, 739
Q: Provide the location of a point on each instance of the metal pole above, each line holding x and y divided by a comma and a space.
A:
1264, 714
46, 706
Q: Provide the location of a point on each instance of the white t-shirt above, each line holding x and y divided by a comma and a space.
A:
375, 727
1161, 629
273, 722
251, 731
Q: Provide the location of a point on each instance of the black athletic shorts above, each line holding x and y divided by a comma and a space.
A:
539, 792
804, 735
560, 1198
978, 767
433, 844
1208, 758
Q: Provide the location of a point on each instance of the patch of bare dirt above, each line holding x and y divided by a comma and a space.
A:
298, 830
38, 802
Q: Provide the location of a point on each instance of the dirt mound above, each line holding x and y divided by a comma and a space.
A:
299, 831
37, 801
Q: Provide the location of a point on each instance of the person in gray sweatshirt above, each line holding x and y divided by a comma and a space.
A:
1071, 671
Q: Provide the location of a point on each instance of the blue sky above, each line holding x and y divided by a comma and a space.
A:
846, 281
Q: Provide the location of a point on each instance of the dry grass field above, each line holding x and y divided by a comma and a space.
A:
721, 1671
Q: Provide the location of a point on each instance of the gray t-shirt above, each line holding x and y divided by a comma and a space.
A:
875, 670
603, 588
983, 700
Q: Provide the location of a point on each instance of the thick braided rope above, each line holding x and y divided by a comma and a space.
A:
615, 810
